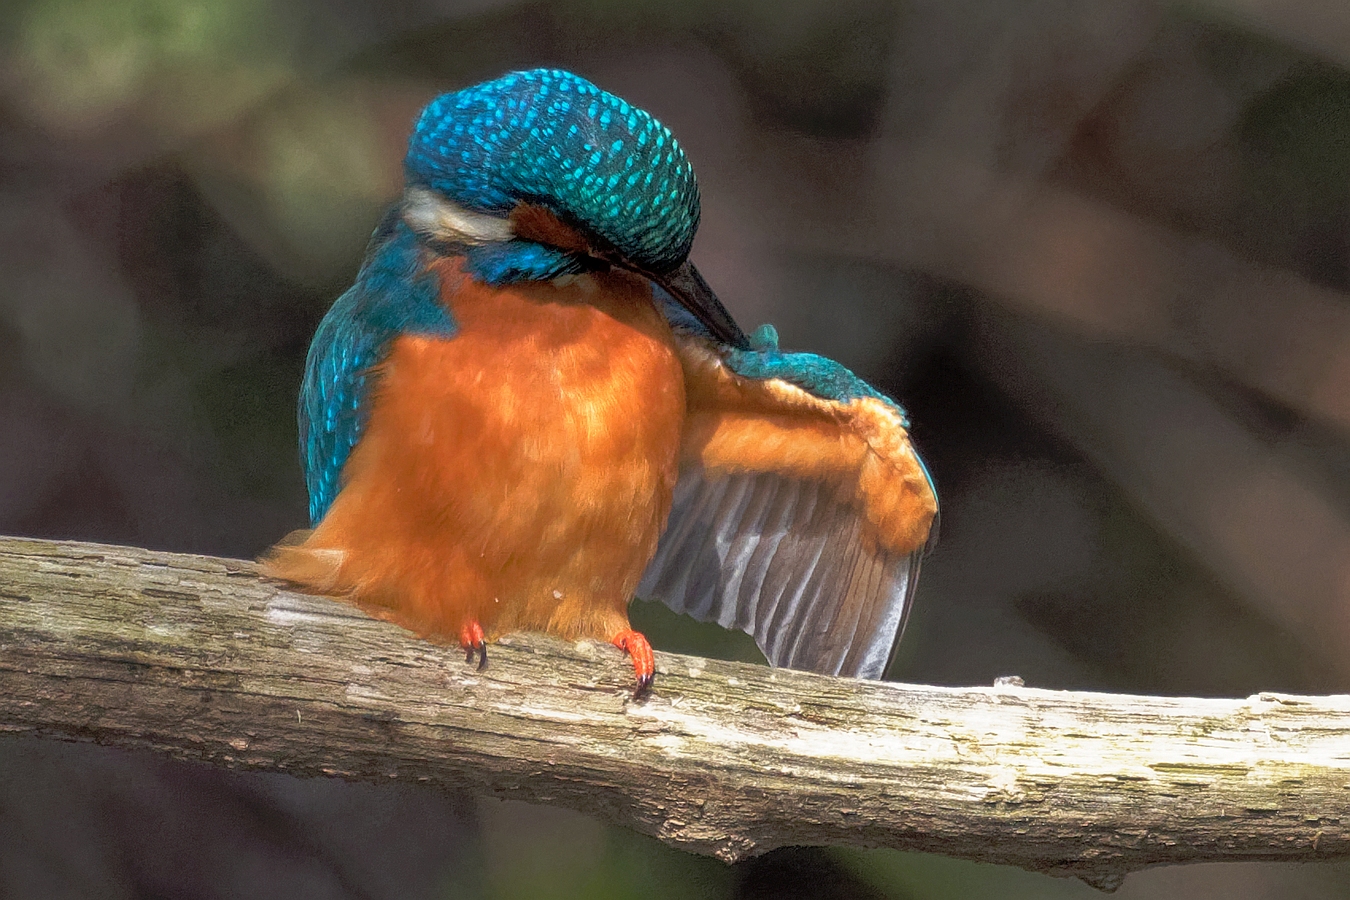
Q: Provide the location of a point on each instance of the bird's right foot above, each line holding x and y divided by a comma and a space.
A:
639, 650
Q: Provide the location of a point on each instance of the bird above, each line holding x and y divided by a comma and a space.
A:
530, 408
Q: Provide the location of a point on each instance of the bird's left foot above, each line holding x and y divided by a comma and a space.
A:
639, 649
472, 640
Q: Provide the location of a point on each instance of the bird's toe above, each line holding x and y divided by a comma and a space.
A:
472, 640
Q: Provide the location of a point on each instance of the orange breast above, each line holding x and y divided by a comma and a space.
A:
519, 473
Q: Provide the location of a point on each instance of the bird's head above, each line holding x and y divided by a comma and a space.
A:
541, 173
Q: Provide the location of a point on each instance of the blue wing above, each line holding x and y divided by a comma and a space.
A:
781, 557
394, 294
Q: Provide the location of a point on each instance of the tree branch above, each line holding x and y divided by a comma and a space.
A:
199, 658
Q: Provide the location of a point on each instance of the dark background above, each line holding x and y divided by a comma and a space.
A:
1100, 250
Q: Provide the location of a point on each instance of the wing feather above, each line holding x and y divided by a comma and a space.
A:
762, 553
801, 511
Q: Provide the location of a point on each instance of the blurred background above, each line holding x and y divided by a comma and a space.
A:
1100, 250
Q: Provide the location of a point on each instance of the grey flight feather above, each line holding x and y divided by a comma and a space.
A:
785, 561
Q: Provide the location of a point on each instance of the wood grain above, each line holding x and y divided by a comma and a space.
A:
199, 658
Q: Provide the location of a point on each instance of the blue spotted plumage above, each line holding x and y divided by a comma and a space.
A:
551, 137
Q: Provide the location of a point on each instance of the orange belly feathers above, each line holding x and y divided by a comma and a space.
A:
514, 477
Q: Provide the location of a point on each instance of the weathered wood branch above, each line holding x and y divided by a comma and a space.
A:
199, 658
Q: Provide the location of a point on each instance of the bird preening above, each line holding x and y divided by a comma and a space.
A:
530, 408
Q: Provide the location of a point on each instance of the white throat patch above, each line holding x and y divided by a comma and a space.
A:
437, 217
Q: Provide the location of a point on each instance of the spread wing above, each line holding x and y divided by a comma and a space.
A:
801, 513
393, 294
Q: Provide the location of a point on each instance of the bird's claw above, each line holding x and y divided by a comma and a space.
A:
644, 686
639, 649
472, 640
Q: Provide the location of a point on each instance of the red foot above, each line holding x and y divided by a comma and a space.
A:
639, 649
471, 639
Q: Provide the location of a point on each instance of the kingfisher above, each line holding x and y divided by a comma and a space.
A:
530, 408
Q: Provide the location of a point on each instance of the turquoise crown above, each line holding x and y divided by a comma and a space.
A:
549, 137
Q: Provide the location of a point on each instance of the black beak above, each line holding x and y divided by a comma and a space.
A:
687, 286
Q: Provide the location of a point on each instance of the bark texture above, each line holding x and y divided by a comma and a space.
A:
199, 658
